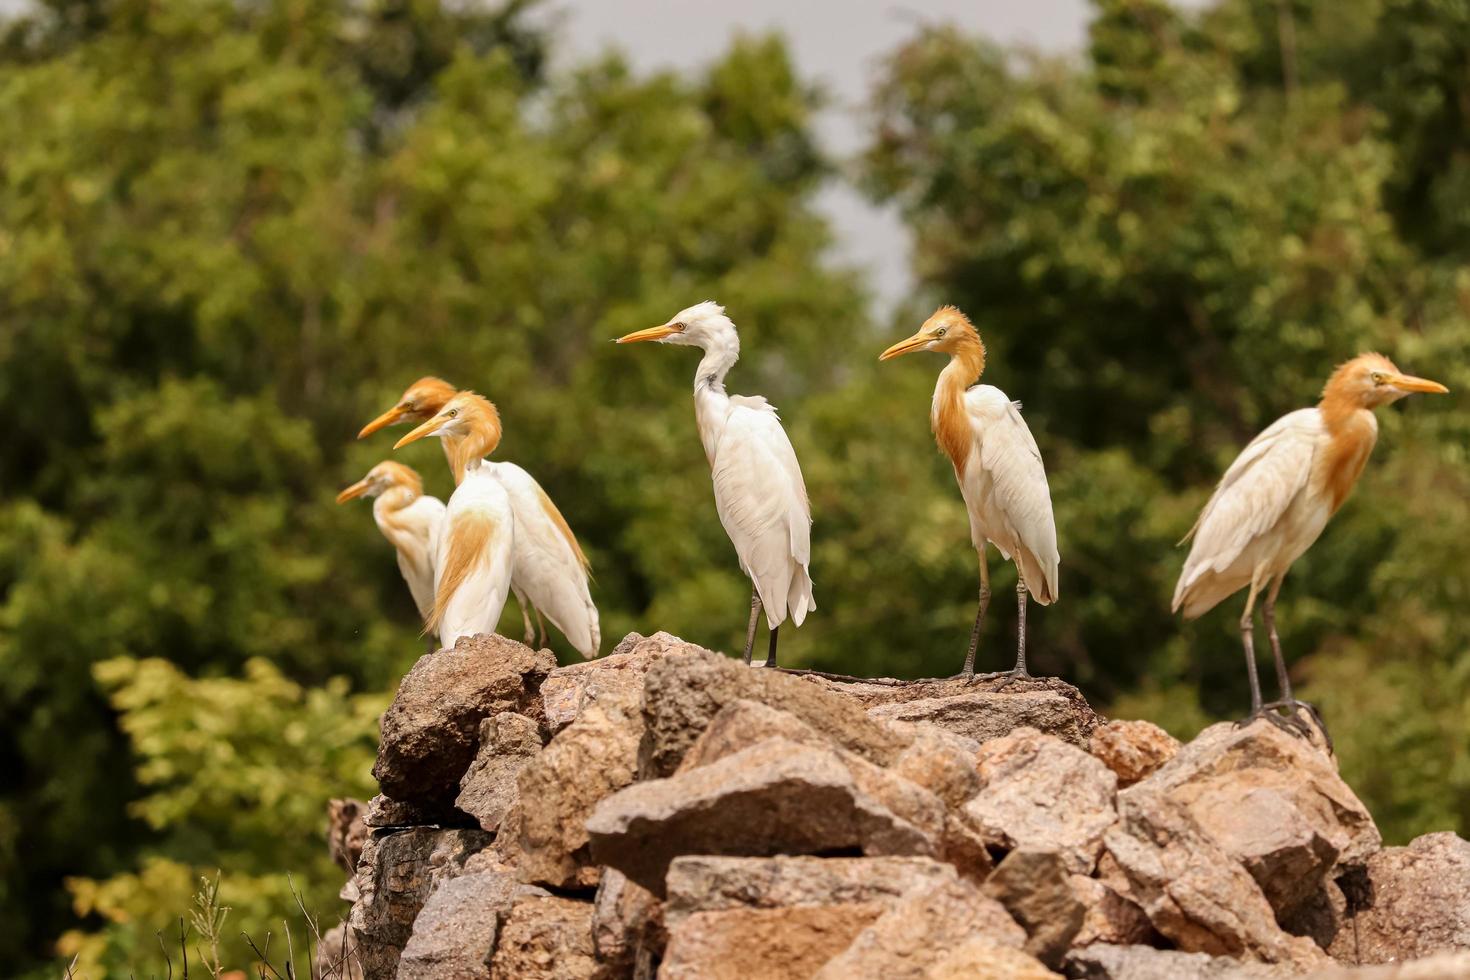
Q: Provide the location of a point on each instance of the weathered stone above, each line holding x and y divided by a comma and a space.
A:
454, 935
776, 797
1192, 891
589, 760
741, 724
627, 926
987, 715
545, 939
941, 762
384, 813
336, 956
489, 787
1416, 903
567, 688
684, 691
395, 876
431, 730
964, 846
1273, 802
981, 959
1132, 749
1106, 962
1039, 792
920, 930
1035, 889
1320, 917
702, 883
346, 833
780, 916
1445, 966
1109, 916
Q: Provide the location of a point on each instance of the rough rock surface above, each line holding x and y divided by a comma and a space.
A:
488, 789
918, 931
684, 691
777, 796
1109, 915
1036, 889
395, 877
983, 715
627, 926
546, 938
1039, 792
568, 688
1134, 750
454, 936
336, 955
1106, 962
1272, 802
431, 730
589, 760
1416, 903
384, 813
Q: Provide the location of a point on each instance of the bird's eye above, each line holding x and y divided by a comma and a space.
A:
941, 332
680, 326
453, 412
1378, 377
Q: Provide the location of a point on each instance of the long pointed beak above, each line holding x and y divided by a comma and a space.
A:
427, 429
908, 346
652, 333
353, 492
382, 421
1407, 382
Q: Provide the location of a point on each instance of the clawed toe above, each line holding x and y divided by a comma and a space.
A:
1293, 723
1005, 678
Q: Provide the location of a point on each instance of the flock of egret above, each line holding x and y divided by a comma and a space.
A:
500, 534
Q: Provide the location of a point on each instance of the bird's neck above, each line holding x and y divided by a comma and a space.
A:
721, 352
394, 499
465, 451
948, 418
1352, 432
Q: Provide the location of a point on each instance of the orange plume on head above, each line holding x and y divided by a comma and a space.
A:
419, 401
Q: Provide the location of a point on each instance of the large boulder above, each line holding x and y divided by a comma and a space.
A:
568, 688
546, 938
454, 935
982, 959
588, 761
1134, 750
919, 931
776, 797
1415, 902
1036, 889
1041, 793
1109, 913
430, 732
488, 789
1270, 801
1054, 708
683, 692
395, 876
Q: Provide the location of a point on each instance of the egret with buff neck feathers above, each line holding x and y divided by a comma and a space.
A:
409, 520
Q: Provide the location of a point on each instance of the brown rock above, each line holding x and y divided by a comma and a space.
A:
1445, 966
395, 876
627, 926
917, 933
346, 833
1273, 802
336, 956
431, 730
384, 814
941, 762
1192, 891
981, 959
684, 691
1415, 902
1109, 916
1039, 792
1320, 917
965, 847
589, 760
772, 944
567, 688
1035, 889
987, 715
1132, 749
454, 935
488, 788
741, 724
546, 939
776, 797
1105, 962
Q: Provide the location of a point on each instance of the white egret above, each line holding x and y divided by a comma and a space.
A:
999, 469
1274, 501
759, 492
409, 520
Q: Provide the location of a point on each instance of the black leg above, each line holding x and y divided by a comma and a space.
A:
755, 611
1288, 699
1248, 641
771, 649
1018, 672
969, 670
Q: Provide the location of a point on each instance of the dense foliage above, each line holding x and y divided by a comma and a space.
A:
230, 233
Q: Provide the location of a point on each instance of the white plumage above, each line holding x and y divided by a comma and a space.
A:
479, 519
409, 520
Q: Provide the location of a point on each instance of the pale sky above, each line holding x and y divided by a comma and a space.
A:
837, 43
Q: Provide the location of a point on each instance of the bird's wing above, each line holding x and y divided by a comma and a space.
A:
549, 566
418, 548
1010, 457
762, 503
1255, 492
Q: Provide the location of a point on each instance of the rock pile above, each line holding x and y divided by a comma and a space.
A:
666, 811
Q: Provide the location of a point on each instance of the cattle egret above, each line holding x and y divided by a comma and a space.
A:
999, 470
759, 492
1274, 501
550, 573
409, 520
472, 570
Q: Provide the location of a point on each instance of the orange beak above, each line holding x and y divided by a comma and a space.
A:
382, 421
356, 490
427, 429
1407, 382
652, 333
908, 346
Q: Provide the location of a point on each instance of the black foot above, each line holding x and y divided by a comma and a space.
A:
1006, 677
1293, 723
